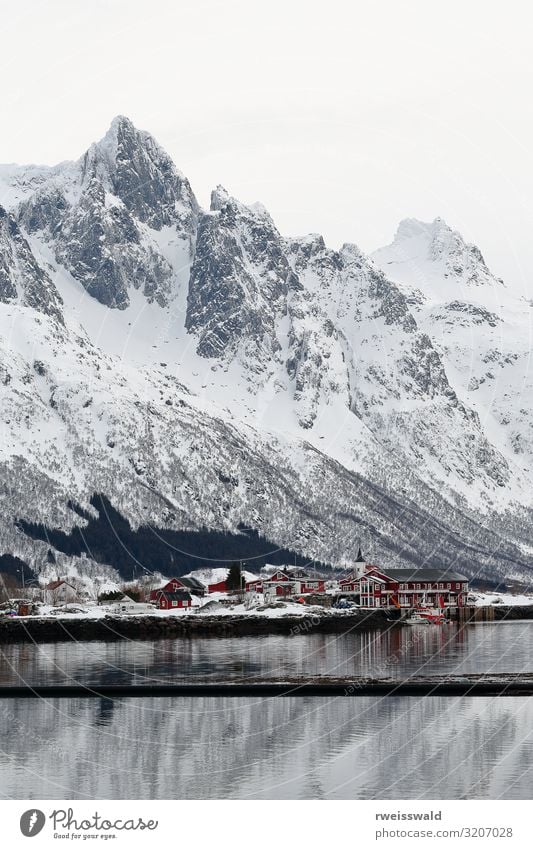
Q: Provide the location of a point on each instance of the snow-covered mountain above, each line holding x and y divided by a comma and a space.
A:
201, 371
481, 328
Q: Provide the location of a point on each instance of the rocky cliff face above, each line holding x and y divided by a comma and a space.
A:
201, 370
22, 279
239, 283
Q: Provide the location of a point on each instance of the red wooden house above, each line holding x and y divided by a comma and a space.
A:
170, 587
368, 590
218, 587
172, 600
371, 586
188, 584
288, 582
306, 583
278, 584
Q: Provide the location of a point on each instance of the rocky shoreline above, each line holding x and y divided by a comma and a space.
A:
110, 628
502, 611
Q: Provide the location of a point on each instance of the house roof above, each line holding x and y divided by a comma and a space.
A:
192, 583
289, 572
188, 581
54, 585
177, 595
403, 575
366, 577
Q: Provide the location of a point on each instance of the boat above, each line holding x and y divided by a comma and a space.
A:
415, 619
435, 616
426, 615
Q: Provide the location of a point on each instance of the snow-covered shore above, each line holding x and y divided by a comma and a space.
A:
42, 629
506, 599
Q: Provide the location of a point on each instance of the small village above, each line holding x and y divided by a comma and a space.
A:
411, 595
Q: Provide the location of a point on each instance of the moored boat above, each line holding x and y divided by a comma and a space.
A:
426, 615
415, 619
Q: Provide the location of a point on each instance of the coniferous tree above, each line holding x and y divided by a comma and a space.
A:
233, 581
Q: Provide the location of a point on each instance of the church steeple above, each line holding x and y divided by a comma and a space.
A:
360, 564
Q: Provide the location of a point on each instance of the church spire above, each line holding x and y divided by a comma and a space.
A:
360, 564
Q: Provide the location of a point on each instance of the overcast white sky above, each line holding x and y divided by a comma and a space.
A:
341, 117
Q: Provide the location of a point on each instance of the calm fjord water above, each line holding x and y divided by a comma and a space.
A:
270, 748
399, 652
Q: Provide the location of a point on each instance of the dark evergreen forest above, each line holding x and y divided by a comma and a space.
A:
110, 539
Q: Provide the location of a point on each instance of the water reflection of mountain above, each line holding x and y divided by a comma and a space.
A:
272, 748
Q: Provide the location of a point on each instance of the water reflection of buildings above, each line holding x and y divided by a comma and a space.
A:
396, 651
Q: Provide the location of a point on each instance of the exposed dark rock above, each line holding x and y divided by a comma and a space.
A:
22, 279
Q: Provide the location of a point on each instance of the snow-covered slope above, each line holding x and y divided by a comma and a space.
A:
217, 574
202, 371
481, 328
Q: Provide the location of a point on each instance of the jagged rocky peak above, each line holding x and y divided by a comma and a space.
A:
100, 215
226, 207
101, 245
309, 245
134, 167
220, 197
309, 250
221, 200
239, 281
22, 279
427, 248
353, 252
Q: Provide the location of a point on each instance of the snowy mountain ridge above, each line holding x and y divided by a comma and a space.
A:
200, 370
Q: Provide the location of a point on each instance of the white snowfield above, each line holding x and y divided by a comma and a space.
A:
212, 609
217, 574
211, 606
202, 370
510, 599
